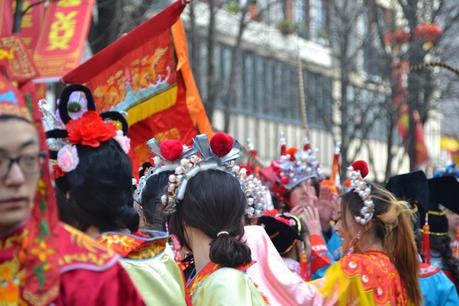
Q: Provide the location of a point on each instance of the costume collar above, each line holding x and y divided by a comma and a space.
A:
143, 244
207, 270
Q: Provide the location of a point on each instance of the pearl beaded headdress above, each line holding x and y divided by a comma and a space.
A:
356, 174
167, 156
295, 166
220, 154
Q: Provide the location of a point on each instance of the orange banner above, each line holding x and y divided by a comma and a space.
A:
63, 34
15, 59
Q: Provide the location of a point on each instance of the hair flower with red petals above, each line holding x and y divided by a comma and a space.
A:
90, 130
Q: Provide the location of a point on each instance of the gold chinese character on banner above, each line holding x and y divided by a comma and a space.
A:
68, 3
62, 31
6, 54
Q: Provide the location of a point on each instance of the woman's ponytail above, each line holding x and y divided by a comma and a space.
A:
229, 251
395, 228
401, 248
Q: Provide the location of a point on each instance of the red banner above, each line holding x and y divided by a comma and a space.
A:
62, 37
31, 24
6, 22
15, 59
139, 74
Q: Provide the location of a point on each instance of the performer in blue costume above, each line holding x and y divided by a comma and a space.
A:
436, 287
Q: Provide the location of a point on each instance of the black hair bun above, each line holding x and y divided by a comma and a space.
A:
229, 251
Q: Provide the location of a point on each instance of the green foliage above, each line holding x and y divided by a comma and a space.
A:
286, 26
233, 7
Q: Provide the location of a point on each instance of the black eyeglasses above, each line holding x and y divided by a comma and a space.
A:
29, 163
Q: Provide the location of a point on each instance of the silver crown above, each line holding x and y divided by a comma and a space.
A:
304, 165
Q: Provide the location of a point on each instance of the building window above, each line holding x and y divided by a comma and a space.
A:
301, 17
318, 95
320, 14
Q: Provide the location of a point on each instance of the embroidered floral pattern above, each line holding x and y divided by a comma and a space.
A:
10, 279
133, 246
377, 274
42, 251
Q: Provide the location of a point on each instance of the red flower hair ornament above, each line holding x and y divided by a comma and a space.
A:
90, 130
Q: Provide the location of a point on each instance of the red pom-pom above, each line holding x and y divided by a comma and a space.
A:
284, 180
292, 151
221, 144
362, 166
171, 149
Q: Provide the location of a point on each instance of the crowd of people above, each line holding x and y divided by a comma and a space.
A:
200, 227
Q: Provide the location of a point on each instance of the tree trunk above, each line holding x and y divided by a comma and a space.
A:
344, 110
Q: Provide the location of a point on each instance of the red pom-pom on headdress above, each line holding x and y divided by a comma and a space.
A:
221, 144
292, 151
361, 166
171, 149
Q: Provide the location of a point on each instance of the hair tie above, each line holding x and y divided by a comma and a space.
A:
222, 233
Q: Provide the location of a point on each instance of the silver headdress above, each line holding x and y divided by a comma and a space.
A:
296, 167
161, 164
356, 173
222, 160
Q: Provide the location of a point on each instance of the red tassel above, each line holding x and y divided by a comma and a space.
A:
304, 271
426, 242
306, 144
283, 145
283, 149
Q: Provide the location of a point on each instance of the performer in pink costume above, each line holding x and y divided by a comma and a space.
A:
272, 277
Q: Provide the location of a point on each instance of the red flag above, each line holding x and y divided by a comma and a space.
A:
141, 74
31, 24
63, 34
6, 23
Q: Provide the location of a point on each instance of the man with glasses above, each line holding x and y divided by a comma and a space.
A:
43, 261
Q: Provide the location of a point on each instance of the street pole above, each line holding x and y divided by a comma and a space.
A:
17, 16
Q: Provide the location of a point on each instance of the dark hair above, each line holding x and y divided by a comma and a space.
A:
99, 191
151, 200
7, 117
393, 226
441, 245
214, 202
